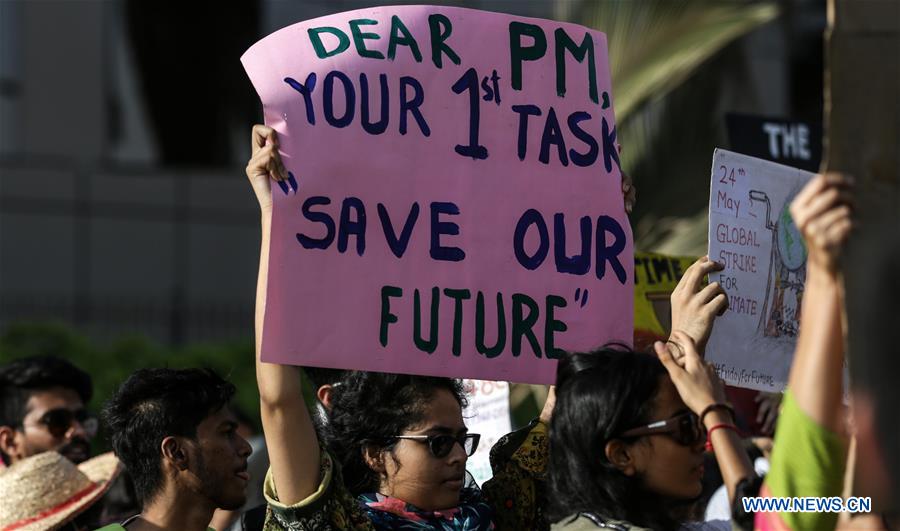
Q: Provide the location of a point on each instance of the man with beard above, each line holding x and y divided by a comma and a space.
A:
42, 408
176, 435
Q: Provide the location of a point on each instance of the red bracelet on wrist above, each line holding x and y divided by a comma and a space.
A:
709, 444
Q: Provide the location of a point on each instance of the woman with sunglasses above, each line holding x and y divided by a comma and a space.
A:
394, 452
402, 446
628, 434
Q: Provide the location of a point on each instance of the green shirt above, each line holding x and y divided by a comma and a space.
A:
807, 460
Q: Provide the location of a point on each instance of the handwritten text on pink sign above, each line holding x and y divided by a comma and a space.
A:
454, 204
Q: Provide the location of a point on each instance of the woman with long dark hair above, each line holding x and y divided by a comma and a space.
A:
628, 434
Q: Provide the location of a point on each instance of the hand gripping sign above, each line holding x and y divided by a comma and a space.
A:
454, 204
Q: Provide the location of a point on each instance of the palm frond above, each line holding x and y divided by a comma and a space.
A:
654, 45
668, 73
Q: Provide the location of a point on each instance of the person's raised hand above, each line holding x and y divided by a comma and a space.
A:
694, 308
264, 165
768, 408
821, 212
696, 381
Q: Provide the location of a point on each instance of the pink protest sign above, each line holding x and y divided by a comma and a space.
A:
455, 204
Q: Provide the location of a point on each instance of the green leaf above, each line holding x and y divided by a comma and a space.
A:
654, 45
668, 73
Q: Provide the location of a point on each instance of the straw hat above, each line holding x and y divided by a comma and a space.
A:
46, 491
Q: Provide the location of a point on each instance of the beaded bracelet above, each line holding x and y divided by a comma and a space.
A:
715, 406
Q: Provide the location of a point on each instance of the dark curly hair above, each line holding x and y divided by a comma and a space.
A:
153, 404
598, 396
368, 409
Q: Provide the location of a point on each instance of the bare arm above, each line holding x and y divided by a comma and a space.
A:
549, 404
699, 387
290, 437
821, 212
734, 464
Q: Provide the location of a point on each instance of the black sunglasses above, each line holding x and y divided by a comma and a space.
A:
58, 421
684, 428
441, 445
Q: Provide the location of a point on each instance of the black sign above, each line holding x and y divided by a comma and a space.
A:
795, 144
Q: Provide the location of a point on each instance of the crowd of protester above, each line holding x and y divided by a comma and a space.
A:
625, 441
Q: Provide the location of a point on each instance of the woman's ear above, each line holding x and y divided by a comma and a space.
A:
622, 456
323, 394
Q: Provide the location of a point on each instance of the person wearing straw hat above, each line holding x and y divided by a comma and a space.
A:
177, 437
46, 491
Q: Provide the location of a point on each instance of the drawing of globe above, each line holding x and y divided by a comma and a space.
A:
790, 242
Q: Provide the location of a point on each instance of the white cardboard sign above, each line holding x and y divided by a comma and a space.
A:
751, 232
488, 415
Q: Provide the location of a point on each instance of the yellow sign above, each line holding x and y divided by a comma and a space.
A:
655, 277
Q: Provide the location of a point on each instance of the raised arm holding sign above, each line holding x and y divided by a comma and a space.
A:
294, 452
811, 438
420, 226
